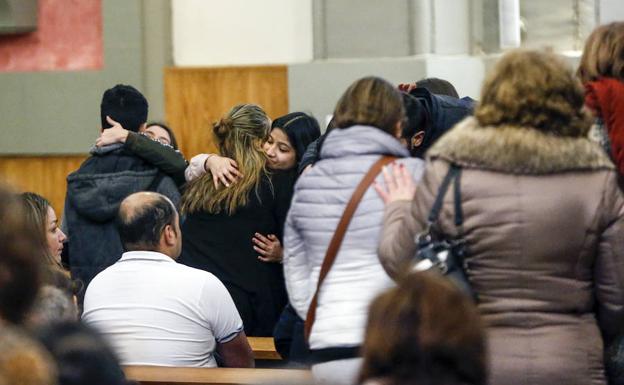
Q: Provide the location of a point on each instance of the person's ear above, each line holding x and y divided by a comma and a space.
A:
169, 235
418, 139
143, 127
398, 127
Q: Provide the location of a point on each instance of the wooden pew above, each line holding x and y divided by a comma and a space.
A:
263, 348
160, 375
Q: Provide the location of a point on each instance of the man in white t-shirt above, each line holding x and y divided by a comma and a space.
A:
155, 311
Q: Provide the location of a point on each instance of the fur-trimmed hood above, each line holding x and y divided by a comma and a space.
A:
518, 150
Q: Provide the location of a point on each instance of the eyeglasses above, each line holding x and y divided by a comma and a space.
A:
162, 141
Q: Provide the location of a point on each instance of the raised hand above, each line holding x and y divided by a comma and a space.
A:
399, 184
115, 134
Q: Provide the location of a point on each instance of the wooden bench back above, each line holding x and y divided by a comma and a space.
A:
263, 348
160, 375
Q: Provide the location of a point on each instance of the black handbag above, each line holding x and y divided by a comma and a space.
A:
439, 252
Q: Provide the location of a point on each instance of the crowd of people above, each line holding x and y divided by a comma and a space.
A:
317, 240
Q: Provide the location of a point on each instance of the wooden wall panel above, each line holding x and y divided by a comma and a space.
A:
43, 175
197, 97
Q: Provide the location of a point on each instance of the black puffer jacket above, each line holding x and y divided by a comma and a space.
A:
94, 193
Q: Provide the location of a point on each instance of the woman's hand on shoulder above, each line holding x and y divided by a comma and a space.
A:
224, 170
114, 134
399, 184
269, 248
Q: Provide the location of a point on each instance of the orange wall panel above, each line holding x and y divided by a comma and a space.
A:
197, 97
45, 176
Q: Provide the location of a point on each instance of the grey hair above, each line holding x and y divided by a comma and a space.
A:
52, 305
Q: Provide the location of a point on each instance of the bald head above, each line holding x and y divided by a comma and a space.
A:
142, 218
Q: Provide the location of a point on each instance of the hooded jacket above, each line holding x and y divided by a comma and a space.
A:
443, 112
94, 194
320, 198
543, 223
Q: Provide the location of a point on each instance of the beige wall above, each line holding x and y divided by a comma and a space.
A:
237, 32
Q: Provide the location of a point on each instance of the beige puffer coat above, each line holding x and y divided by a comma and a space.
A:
544, 223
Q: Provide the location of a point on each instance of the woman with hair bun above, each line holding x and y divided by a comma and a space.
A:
288, 139
221, 221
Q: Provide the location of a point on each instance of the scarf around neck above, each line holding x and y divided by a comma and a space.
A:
605, 97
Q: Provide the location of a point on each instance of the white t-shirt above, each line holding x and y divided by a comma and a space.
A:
155, 311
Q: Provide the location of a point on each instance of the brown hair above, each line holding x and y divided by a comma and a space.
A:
23, 360
536, 90
20, 274
370, 101
603, 55
424, 331
36, 215
239, 134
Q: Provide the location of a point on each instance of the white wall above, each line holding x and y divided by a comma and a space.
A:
611, 10
235, 32
451, 27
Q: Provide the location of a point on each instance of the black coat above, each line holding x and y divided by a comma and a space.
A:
222, 244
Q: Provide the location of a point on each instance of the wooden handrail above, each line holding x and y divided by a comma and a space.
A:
263, 348
162, 375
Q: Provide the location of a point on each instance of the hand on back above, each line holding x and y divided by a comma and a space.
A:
269, 248
399, 184
114, 134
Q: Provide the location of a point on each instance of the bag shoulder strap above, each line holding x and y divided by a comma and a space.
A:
453, 173
336, 241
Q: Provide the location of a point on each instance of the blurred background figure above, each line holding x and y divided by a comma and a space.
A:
82, 356
20, 259
24, 361
424, 331
52, 305
602, 72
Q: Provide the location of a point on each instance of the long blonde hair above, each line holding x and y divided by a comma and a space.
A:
240, 135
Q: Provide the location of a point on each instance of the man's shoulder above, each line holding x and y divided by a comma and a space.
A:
197, 275
114, 161
174, 273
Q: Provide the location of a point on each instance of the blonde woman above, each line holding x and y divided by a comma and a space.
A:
222, 221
